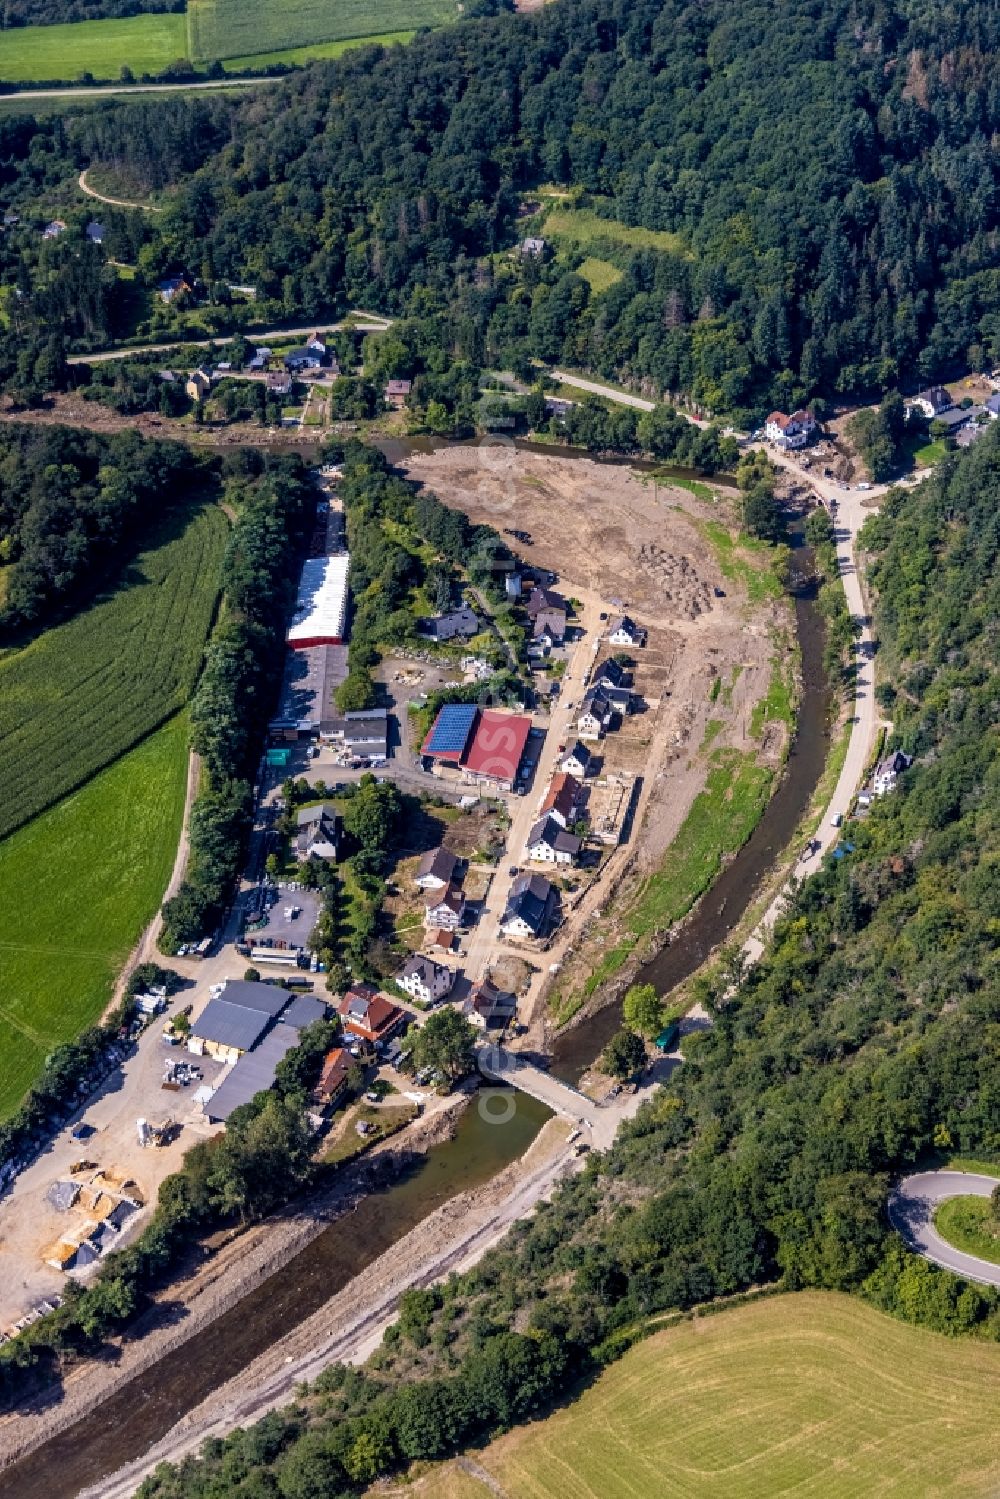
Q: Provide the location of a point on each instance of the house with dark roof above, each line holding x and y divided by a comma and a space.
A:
931, 402
594, 718
369, 1015
436, 869
298, 360
992, 407
445, 912
318, 835
457, 622
531, 907
578, 760
611, 674
549, 626
544, 598
487, 1005
888, 771
278, 384
625, 631
303, 1011
424, 979
550, 843
95, 232
53, 229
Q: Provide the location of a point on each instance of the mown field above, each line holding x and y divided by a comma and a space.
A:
77, 887
294, 56
146, 44
584, 227
969, 1224
814, 1395
247, 28
88, 690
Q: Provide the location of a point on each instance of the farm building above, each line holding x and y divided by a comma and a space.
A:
487, 745
234, 1021
320, 616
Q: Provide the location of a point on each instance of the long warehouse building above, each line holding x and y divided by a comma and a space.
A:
320, 616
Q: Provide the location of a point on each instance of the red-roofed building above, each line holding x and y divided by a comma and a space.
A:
369, 1015
562, 800
497, 748
790, 431
333, 1079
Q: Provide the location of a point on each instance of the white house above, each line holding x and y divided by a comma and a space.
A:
548, 843
578, 760
887, 771
487, 1005
625, 631
436, 869
530, 907
445, 913
931, 402
424, 979
594, 717
790, 431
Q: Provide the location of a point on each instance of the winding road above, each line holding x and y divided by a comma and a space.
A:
92, 192
911, 1213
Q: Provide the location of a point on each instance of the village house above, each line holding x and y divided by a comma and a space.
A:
611, 674
531, 907
297, 360
369, 1015
790, 431
578, 760
595, 715
260, 359
278, 384
53, 229
461, 622
550, 843
544, 598
446, 911
95, 232
562, 800
931, 402
333, 1082
396, 392
625, 631
549, 627
487, 1005
992, 408
318, 834
198, 384
436, 869
173, 286
425, 980
532, 246
888, 770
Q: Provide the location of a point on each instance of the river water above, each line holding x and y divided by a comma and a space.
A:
132, 1421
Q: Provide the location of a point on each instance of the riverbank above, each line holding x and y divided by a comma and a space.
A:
236, 1266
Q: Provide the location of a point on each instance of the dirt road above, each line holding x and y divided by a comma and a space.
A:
364, 322
92, 192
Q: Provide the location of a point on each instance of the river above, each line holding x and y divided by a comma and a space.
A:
134, 1419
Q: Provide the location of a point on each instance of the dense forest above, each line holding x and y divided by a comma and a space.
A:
867, 1037
71, 504
850, 244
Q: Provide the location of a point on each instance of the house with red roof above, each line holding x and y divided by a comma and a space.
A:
790, 431
369, 1015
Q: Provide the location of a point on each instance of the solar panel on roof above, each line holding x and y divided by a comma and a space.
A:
451, 729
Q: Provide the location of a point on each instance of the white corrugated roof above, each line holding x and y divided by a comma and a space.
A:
321, 607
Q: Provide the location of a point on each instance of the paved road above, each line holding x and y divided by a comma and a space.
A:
911, 1213
375, 323
134, 88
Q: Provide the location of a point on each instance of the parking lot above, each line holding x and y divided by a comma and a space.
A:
290, 918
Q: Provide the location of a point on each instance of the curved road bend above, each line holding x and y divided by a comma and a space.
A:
92, 192
911, 1212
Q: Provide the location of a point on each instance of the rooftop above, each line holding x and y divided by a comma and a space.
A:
321, 607
498, 744
252, 1073
450, 731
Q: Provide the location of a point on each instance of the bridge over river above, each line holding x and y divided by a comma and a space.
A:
599, 1120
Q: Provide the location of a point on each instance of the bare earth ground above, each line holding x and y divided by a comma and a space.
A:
608, 530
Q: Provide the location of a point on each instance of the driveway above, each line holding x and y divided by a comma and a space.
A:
911, 1213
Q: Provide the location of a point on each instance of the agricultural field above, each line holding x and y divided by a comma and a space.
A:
90, 689
600, 275
814, 1394
247, 28
77, 886
294, 56
969, 1224
146, 44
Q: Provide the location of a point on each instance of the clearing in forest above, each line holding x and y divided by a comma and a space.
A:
88, 690
814, 1394
77, 887
247, 28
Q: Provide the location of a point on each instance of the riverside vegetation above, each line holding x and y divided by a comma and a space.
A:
868, 1035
